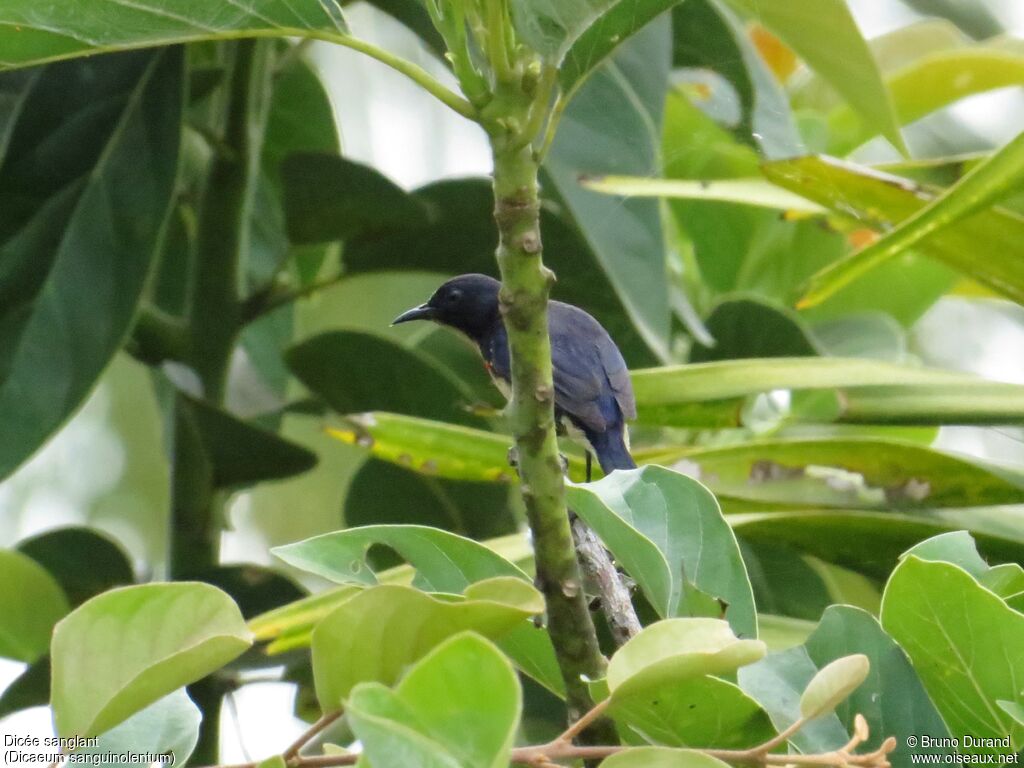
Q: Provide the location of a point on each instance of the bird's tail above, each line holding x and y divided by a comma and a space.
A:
611, 449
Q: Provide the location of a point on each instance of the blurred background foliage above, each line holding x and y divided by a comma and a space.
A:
794, 139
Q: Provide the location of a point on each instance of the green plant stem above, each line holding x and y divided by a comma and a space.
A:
524, 294
414, 72
222, 235
266, 301
158, 336
213, 322
195, 547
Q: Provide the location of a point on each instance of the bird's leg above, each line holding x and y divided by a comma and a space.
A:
590, 460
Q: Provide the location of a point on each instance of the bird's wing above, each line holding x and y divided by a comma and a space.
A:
576, 368
590, 375
618, 376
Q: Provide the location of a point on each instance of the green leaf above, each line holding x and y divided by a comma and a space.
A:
980, 188
698, 712
459, 706
747, 327
966, 644
84, 561
387, 493
932, 82
413, 15
674, 650
889, 473
871, 333
123, 650
532, 651
778, 682
242, 454
302, 615
85, 247
707, 35
872, 391
781, 633
31, 34
431, 447
1013, 709
750, 249
824, 34
848, 587
883, 201
956, 547
869, 542
328, 197
668, 532
14, 92
892, 699
832, 684
752, 191
784, 582
167, 726
301, 118
255, 588
550, 27
661, 757
378, 632
622, 19
391, 377
613, 126
1007, 581
31, 602
444, 562
291, 626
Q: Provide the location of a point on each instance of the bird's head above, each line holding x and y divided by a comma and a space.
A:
468, 303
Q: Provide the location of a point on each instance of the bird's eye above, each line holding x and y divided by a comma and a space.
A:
453, 296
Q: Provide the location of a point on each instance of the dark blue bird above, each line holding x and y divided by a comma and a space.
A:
592, 388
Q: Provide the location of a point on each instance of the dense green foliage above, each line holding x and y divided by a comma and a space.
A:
814, 571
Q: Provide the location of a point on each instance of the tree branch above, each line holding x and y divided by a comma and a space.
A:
563, 748
598, 569
318, 727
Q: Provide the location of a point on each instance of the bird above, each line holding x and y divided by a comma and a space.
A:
593, 392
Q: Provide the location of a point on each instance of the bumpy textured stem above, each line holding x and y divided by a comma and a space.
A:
525, 286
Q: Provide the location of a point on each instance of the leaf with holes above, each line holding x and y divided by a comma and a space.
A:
444, 562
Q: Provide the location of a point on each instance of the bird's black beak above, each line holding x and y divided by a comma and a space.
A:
422, 312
